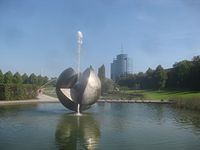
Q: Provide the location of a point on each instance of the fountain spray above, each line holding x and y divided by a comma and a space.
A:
79, 42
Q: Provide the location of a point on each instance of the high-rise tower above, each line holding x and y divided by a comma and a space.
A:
121, 66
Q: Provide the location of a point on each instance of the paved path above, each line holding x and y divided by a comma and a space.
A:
40, 99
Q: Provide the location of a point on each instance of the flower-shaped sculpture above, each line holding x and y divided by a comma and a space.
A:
73, 90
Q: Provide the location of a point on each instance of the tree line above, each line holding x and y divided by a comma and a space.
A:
18, 87
17, 78
183, 75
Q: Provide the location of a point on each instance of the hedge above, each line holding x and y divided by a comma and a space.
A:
17, 91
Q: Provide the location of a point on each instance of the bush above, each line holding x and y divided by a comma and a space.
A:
17, 91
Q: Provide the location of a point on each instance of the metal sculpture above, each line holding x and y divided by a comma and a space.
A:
78, 92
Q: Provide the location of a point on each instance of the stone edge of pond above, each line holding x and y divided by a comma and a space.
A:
48, 99
135, 101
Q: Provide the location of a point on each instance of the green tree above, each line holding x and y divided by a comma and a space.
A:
17, 79
101, 73
1, 77
182, 71
45, 79
25, 78
53, 81
32, 79
8, 76
149, 80
140, 80
107, 86
160, 77
40, 80
127, 81
196, 59
195, 73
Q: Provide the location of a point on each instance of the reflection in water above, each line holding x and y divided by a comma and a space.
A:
7, 109
77, 132
157, 112
109, 126
188, 117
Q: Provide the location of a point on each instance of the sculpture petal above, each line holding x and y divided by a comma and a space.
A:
71, 91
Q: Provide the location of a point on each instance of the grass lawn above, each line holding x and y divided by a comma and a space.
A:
144, 94
182, 99
166, 94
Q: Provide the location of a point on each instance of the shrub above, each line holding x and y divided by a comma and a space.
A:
17, 91
192, 103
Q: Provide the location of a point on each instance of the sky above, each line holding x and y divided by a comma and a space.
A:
40, 36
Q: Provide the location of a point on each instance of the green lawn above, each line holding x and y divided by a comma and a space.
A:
166, 94
181, 99
144, 94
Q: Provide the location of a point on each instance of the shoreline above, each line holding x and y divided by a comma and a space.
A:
135, 101
40, 99
48, 99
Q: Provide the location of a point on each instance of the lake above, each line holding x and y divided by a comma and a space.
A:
104, 126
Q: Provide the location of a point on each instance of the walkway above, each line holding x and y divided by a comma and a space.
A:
40, 99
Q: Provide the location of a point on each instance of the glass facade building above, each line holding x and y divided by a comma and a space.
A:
121, 66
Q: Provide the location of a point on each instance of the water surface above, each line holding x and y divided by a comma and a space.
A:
104, 126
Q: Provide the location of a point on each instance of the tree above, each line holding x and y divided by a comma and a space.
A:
107, 86
160, 77
195, 73
196, 59
149, 80
140, 82
184, 74
25, 78
101, 73
32, 79
39, 80
8, 76
45, 79
182, 71
1, 77
127, 81
17, 79
52, 81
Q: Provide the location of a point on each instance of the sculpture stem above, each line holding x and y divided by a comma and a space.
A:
78, 109
79, 59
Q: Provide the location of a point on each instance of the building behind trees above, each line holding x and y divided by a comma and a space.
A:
121, 66
184, 75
